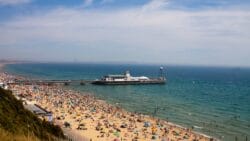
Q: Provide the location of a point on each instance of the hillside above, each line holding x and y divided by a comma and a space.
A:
20, 124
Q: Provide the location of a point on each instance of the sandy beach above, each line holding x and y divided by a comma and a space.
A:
85, 117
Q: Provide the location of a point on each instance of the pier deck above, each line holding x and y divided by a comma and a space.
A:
83, 82
50, 82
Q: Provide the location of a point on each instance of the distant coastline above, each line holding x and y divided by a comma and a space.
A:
6, 62
1, 66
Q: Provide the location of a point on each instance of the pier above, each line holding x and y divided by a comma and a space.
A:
120, 79
83, 82
50, 82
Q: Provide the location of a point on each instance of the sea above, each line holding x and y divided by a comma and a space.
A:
211, 100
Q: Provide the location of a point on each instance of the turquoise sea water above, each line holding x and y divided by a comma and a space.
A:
215, 99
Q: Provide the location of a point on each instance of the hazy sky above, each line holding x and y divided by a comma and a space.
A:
190, 32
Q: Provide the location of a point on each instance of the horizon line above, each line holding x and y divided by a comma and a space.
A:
12, 61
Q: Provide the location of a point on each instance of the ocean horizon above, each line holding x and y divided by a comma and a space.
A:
211, 100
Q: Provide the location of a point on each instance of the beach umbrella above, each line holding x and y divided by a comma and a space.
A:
153, 137
164, 139
147, 124
116, 134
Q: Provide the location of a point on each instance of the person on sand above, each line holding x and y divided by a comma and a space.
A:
154, 130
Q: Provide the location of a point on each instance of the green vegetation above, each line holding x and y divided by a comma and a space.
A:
7, 136
17, 123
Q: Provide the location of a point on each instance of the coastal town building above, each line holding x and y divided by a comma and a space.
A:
3, 85
39, 111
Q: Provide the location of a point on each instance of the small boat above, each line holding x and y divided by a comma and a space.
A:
127, 79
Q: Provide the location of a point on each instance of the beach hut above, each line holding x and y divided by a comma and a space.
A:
4, 86
49, 117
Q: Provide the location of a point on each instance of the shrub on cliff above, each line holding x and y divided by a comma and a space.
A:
15, 120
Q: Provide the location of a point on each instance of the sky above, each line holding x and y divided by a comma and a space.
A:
177, 32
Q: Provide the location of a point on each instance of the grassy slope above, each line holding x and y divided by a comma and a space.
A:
15, 120
7, 136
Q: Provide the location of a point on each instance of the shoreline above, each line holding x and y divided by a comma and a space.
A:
102, 121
